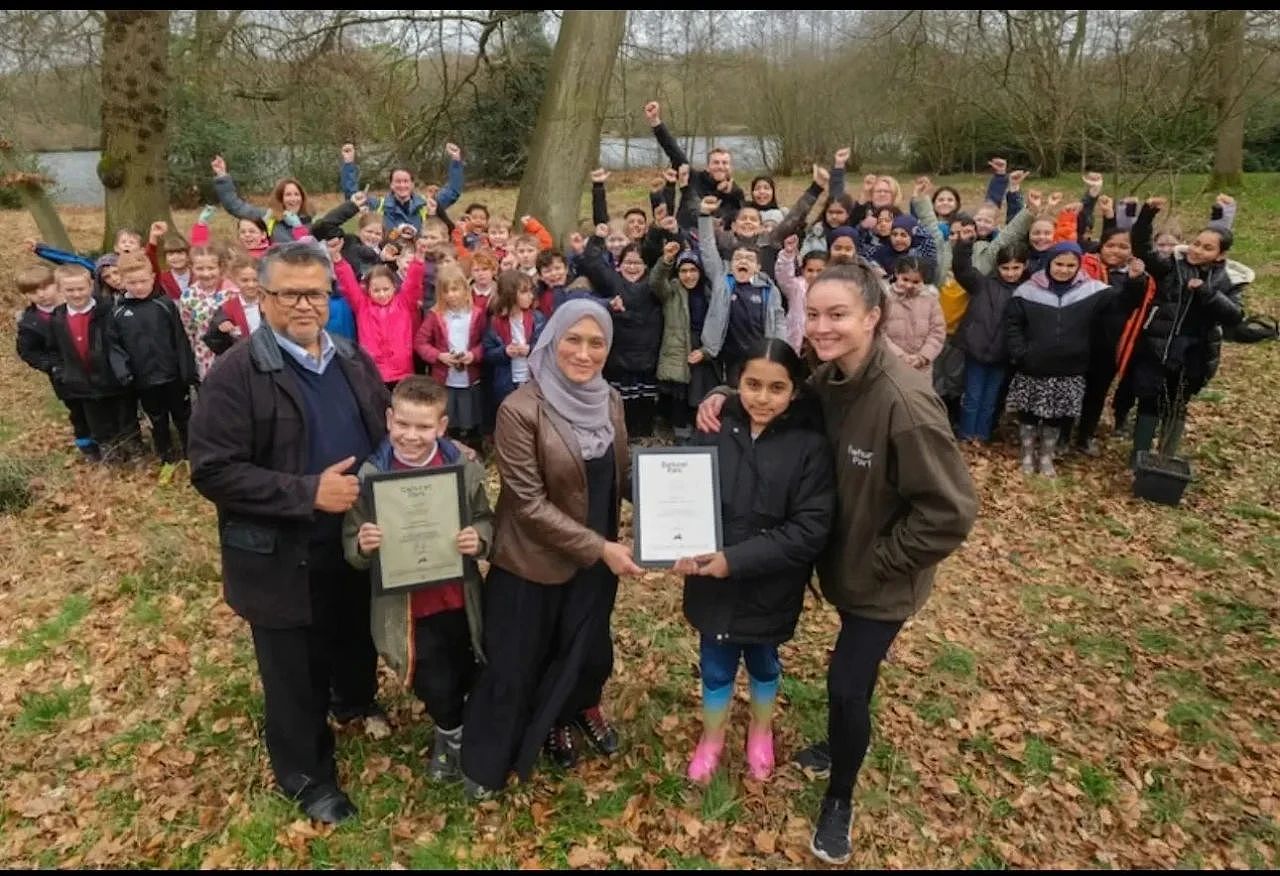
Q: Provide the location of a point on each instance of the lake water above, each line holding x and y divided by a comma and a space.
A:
77, 175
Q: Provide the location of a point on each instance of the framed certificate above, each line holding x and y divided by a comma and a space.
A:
676, 493
420, 513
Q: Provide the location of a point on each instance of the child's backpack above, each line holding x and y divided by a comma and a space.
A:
1252, 330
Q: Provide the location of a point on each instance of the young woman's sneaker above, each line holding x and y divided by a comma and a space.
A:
832, 837
815, 760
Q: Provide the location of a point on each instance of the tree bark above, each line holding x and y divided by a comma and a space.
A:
135, 121
1226, 41
566, 139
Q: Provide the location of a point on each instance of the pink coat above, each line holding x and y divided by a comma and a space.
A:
915, 324
433, 339
386, 331
794, 289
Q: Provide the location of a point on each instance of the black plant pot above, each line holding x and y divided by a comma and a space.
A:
1161, 479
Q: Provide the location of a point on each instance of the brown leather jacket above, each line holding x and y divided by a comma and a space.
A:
540, 531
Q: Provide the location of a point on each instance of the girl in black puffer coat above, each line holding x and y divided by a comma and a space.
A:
777, 498
1181, 339
637, 329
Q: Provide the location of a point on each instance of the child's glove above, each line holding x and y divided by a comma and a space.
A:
206, 214
291, 219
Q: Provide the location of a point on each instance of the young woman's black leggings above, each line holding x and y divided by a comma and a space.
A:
851, 679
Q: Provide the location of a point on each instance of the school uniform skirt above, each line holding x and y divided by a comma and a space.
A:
466, 406
1052, 398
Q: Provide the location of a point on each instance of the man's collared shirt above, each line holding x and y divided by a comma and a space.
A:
305, 359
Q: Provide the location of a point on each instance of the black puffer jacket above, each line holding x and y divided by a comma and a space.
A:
982, 330
1050, 334
637, 328
777, 501
1184, 324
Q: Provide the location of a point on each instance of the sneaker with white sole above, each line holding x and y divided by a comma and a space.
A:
832, 839
815, 760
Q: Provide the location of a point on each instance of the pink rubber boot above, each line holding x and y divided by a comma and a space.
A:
706, 759
760, 753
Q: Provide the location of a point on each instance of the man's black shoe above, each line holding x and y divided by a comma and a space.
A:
328, 804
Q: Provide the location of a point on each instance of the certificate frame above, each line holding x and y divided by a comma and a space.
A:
645, 558
395, 567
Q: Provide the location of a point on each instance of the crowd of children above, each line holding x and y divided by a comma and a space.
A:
705, 287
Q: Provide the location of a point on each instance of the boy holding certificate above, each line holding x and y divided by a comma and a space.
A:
429, 636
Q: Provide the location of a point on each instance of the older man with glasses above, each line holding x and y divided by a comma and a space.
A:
278, 431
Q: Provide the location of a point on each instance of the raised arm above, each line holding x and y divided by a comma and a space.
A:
599, 201
452, 191
225, 188
605, 281
348, 172
653, 113
1143, 244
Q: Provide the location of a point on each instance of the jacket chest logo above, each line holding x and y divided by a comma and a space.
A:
860, 458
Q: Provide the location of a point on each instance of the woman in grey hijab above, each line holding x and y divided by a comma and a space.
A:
561, 443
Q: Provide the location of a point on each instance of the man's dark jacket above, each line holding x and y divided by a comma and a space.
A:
248, 449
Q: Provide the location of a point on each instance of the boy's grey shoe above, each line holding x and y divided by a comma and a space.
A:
832, 838
445, 762
476, 792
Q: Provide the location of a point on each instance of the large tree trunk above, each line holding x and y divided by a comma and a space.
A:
135, 121
1226, 42
566, 140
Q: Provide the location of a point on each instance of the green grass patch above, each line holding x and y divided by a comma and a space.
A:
1257, 672
1037, 759
935, 708
806, 705
41, 712
1232, 615
1121, 566
1250, 511
145, 612
720, 799
1185, 681
1203, 556
1157, 641
1166, 801
1195, 720
956, 660
38, 642
983, 743
1097, 783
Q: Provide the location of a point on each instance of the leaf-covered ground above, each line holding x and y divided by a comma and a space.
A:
1095, 683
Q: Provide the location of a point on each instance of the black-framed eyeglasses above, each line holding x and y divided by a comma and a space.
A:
294, 297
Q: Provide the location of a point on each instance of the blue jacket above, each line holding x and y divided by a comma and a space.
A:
341, 320
395, 212
62, 257
495, 352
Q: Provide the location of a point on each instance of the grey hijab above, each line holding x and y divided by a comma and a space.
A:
584, 405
